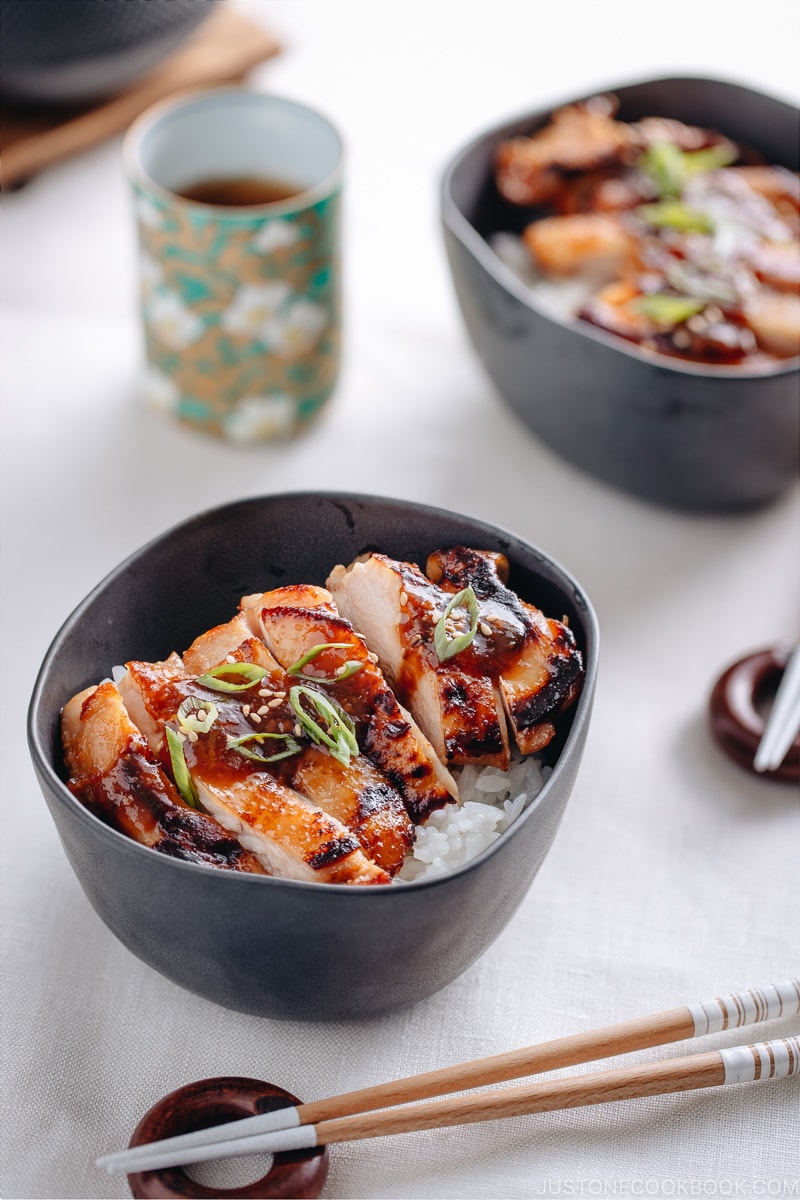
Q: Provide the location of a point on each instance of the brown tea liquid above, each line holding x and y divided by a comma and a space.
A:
239, 191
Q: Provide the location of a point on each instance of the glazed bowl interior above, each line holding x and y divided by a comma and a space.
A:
688, 435
271, 946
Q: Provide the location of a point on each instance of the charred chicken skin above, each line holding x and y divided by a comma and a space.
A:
113, 772
516, 673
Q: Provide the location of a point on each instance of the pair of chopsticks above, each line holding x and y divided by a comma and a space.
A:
783, 722
372, 1111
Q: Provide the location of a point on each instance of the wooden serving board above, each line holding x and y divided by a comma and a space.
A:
221, 51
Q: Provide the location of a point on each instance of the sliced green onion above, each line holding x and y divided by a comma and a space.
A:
344, 672
672, 214
669, 167
218, 678
665, 163
196, 715
351, 667
240, 744
339, 734
445, 646
664, 309
180, 771
710, 159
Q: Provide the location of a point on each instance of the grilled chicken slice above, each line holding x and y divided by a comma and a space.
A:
519, 669
150, 689
360, 797
214, 646
534, 657
776, 184
112, 771
287, 833
356, 797
295, 619
396, 608
774, 318
580, 137
593, 242
358, 794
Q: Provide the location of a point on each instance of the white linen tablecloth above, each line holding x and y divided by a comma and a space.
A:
674, 876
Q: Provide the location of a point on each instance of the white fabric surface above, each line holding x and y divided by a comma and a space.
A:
674, 876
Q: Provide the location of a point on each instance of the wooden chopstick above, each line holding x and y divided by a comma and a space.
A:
777, 1059
764, 1060
728, 1012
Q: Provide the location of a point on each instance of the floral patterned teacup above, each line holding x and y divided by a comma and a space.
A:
240, 301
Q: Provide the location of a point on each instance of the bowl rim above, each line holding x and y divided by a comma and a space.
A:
45, 767
463, 229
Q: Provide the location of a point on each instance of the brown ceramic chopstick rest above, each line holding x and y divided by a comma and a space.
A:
734, 716
297, 1174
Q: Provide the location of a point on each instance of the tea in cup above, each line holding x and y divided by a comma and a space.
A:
238, 198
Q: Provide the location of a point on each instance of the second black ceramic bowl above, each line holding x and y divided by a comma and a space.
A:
687, 436
276, 947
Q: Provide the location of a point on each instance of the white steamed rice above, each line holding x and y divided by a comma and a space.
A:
490, 800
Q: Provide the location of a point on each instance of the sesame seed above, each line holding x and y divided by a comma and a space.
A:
485, 629
297, 730
404, 597
264, 692
275, 703
192, 736
230, 659
255, 717
246, 710
264, 709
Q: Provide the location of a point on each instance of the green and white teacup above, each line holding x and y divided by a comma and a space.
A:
238, 198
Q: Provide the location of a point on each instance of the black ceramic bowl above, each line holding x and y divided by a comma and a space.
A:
59, 52
268, 946
688, 436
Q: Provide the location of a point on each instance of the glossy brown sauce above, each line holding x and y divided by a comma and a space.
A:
135, 798
510, 622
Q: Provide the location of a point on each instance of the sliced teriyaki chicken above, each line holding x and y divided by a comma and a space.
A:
357, 794
540, 666
113, 772
361, 797
519, 666
579, 137
295, 620
293, 837
396, 608
361, 811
